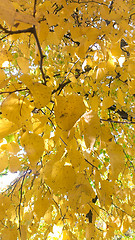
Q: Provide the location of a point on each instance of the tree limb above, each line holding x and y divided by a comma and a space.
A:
112, 121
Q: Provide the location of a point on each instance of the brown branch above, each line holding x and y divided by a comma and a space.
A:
90, 163
90, 2
34, 10
63, 141
112, 121
61, 86
19, 206
18, 90
10, 32
33, 31
97, 213
41, 54
121, 209
21, 193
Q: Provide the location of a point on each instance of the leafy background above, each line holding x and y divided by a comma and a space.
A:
67, 119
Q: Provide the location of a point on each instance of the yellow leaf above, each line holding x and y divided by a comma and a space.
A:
92, 34
26, 18
116, 50
13, 147
63, 177
40, 92
7, 11
4, 83
67, 235
90, 231
43, 31
94, 103
120, 97
33, 145
6, 127
16, 110
58, 176
117, 157
106, 135
107, 102
131, 84
48, 217
41, 205
2, 76
3, 161
23, 232
72, 78
105, 193
75, 157
90, 128
79, 195
14, 164
68, 110
23, 64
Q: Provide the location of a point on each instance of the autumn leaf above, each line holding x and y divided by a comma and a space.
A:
33, 145
90, 127
16, 110
68, 110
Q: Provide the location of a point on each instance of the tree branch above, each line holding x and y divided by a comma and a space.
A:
17, 90
10, 32
34, 10
33, 31
41, 54
112, 121
19, 206
61, 86
90, 163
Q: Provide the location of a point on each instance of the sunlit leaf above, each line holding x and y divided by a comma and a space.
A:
68, 110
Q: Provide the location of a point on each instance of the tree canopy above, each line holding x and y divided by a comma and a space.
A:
67, 119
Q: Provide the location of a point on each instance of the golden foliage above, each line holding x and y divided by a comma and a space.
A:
67, 119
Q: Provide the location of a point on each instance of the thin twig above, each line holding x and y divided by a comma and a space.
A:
19, 206
17, 90
121, 209
80, 2
90, 163
61, 86
34, 10
63, 83
112, 121
41, 55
